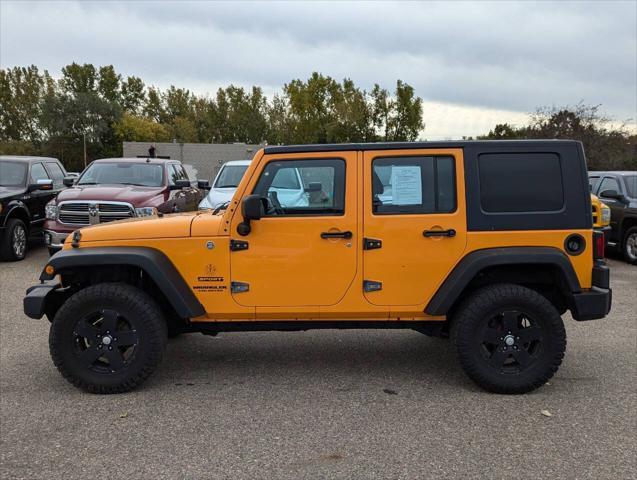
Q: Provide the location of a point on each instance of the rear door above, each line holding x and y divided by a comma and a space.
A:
414, 223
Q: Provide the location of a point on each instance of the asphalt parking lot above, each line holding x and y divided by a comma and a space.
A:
322, 404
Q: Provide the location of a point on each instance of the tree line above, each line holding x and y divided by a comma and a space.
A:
607, 147
40, 115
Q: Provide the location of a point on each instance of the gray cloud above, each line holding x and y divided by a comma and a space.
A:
505, 55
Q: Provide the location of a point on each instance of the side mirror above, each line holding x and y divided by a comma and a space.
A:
252, 208
42, 184
614, 194
179, 184
69, 181
203, 184
314, 187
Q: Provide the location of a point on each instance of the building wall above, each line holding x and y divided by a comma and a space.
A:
202, 160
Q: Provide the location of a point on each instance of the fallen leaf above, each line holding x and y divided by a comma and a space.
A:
123, 415
390, 392
546, 413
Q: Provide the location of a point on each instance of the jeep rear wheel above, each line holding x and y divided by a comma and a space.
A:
509, 339
108, 338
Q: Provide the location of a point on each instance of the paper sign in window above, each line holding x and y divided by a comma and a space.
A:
406, 185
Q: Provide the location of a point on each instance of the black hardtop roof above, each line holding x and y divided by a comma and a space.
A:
339, 147
26, 158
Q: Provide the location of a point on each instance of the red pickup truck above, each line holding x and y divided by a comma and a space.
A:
116, 189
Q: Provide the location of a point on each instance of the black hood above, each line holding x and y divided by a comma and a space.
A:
6, 192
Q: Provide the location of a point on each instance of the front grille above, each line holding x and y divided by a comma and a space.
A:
595, 214
91, 213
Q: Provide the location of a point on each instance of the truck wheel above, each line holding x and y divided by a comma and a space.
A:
108, 338
13, 246
509, 338
629, 245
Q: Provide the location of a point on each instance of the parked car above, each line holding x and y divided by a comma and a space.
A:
289, 190
26, 186
619, 191
488, 242
601, 216
116, 189
224, 184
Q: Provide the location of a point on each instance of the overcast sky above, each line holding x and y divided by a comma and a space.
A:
474, 63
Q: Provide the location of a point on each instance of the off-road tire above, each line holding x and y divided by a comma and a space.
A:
7, 250
477, 314
628, 252
132, 305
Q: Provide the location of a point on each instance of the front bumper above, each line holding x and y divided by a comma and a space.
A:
596, 302
35, 301
54, 240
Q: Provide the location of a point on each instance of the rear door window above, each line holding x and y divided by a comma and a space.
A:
38, 172
413, 185
609, 183
56, 173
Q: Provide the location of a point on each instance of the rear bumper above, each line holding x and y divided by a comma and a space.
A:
35, 301
596, 302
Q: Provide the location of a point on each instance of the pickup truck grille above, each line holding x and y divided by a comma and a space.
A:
91, 213
595, 215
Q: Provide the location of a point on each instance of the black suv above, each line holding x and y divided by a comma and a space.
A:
26, 186
618, 190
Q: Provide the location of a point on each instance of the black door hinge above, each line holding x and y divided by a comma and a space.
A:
236, 245
372, 243
372, 286
239, 287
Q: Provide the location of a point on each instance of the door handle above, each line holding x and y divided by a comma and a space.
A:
347, 234
439, 233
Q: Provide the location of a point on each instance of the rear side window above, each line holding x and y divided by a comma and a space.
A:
38, 173
520, 182
609, 183
404, 185
56, 172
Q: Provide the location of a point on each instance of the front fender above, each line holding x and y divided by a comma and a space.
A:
153, 262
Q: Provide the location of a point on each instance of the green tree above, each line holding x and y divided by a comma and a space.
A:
607, 147
109, 84
78, 79
131, 128
133, 94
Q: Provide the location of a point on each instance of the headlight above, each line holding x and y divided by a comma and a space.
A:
51, 211
605, 215
145, 212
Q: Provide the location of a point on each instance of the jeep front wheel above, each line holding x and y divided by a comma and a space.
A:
509, 339
108, 338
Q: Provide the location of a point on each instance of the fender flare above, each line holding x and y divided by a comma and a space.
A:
473, 263
152, 261
12, 207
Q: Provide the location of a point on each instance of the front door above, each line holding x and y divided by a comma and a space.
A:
414, 223
303, 251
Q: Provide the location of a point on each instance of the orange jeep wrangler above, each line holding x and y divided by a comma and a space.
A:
488, 243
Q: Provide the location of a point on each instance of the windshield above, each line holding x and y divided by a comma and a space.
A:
230, 176
142, 174
13, 174
631, 185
